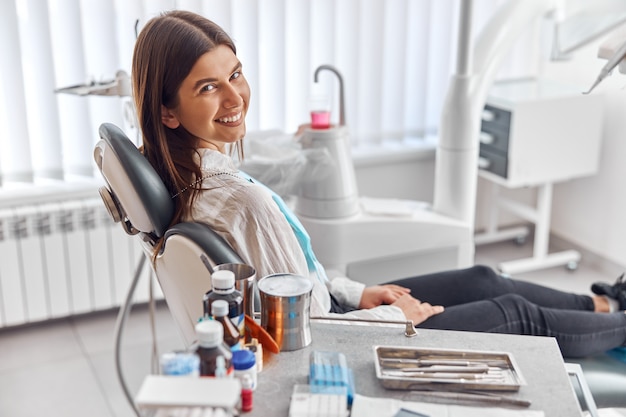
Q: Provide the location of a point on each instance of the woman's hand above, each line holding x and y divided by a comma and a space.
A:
415, 310
301, 130
381, 294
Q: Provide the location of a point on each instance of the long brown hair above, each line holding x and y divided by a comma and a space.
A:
165, 52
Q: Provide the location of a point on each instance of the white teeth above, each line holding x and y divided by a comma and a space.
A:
230, 119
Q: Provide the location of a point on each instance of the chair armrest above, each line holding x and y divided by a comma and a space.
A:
215, 247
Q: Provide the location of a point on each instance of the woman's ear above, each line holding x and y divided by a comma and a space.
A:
168, 118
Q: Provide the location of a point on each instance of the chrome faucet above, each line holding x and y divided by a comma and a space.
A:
342, 118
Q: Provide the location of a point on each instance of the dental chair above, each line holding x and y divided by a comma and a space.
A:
136, 197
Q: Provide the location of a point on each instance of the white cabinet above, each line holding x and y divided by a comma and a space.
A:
536, 133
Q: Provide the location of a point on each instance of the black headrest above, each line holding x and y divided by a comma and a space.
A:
135, 184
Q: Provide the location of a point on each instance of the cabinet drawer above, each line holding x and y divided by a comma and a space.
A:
495, 116
494, 138
495, 129
493, 162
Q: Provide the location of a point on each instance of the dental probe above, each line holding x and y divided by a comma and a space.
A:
409, 328
609, 66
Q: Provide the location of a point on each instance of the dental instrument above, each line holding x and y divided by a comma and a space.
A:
606, 70
473, 398
409, 327
119, 86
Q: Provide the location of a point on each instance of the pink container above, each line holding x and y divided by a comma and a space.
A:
320, 119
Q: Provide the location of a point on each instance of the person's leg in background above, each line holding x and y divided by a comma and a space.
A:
578, 333
479, 282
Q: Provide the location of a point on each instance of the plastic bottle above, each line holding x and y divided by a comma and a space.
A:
244, 362
210, 346
220, 367
223, 283
246, 393
232, 337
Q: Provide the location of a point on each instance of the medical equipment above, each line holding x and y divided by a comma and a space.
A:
342, 114
119, 86
409, 327
417, 368
535, 133
606, 70
365, 244
456, 166
613, 50
332, 194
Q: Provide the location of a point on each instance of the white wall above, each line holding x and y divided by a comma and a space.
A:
588, 212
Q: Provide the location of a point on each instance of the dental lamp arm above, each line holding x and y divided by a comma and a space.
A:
457, 155
498, 37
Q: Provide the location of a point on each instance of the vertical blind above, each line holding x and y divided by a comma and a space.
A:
396, 57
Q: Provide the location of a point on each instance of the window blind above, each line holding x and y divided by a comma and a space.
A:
396, 57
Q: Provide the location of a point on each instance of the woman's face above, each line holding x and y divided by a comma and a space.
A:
212, 100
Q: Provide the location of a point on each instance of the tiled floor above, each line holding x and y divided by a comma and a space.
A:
66, 368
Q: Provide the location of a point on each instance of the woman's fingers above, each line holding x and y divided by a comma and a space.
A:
415, 310
397, 288
394, 292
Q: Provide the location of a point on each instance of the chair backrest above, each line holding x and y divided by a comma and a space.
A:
135, 195
133, 186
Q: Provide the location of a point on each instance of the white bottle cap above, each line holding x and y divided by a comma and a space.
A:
223, 281
219, 308
210, 333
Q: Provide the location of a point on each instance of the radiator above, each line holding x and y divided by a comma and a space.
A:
62, 259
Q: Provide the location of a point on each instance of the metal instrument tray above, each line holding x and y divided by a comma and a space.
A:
407, 368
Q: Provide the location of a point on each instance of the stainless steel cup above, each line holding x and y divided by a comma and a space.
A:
245, 276
285, 309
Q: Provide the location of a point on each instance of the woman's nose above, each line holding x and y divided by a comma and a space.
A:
232, 98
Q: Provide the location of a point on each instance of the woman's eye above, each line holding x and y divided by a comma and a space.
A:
208, 87
235, 75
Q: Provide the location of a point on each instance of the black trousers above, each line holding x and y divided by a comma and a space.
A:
478, 299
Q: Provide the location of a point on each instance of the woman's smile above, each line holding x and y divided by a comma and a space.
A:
230, 120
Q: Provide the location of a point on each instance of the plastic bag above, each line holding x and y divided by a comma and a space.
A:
278, 160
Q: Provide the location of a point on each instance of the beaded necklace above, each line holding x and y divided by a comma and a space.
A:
202, 179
